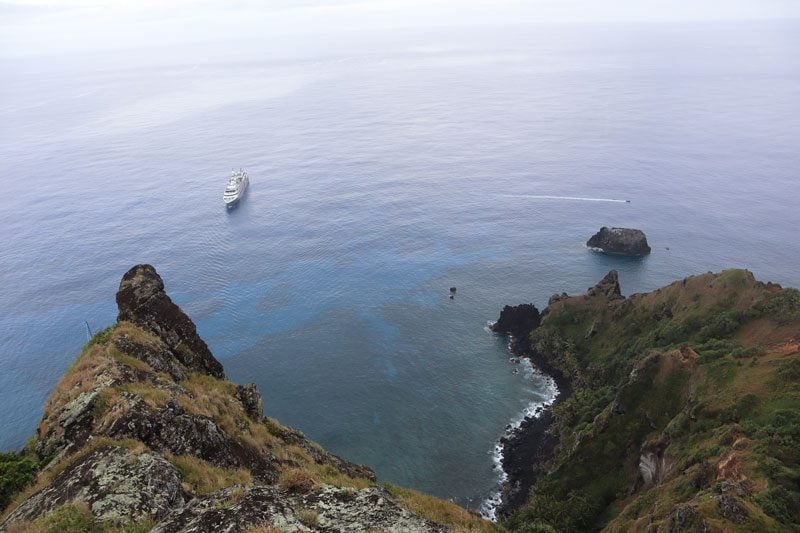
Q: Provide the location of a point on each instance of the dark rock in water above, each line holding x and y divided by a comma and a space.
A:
518, 320
623, 241
141, 300
251, 399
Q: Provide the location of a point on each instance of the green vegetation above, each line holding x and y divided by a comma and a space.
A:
703, 375
75, 518
16, 473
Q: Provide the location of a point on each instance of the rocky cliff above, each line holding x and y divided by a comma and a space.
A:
144, 433
685, 413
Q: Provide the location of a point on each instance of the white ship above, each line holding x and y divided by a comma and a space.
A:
237, 184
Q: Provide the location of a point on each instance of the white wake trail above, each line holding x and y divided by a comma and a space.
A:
572, 198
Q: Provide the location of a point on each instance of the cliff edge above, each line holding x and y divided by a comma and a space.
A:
143, 433
685, 410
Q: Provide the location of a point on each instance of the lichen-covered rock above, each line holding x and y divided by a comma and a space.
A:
171, 429
74, 425
625, 241
251, 400
326, 509
116, 483
141, 300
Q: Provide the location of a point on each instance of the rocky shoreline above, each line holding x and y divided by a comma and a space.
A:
530, 442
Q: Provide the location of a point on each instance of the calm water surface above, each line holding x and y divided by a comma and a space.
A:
382, 175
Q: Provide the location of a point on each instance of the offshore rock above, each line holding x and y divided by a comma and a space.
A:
624, 241
518, 320
141, 300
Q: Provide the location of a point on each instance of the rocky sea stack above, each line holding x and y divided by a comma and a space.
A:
143, 433
623, 241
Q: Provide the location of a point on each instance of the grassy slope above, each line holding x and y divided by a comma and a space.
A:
705, 375
198, 394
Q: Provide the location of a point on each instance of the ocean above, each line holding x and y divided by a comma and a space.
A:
384, 170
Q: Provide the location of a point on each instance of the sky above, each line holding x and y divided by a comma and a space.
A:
34, 27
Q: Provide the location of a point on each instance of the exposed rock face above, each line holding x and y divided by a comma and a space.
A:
684, 518
116, 483
623, 241
654, 464
143, 429
251, 399
608, 287
332, 509
518, 320
171, 429
731, 508
141, 300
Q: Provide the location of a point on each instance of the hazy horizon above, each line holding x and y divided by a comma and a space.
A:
54, 27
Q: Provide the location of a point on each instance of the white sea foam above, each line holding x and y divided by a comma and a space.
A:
488, 508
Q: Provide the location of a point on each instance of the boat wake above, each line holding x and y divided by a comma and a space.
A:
567, 198
549, 392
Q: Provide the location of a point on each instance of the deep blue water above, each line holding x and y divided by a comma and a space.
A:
381, 175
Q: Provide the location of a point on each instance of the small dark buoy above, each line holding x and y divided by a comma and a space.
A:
452, 290
451, 297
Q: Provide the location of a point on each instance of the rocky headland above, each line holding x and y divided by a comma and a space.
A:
144, 433
679, 410
623, 241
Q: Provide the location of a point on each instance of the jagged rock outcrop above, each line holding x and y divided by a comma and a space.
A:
144, 429
624, 241
608, 287
251, 400
518, 320
142, 301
